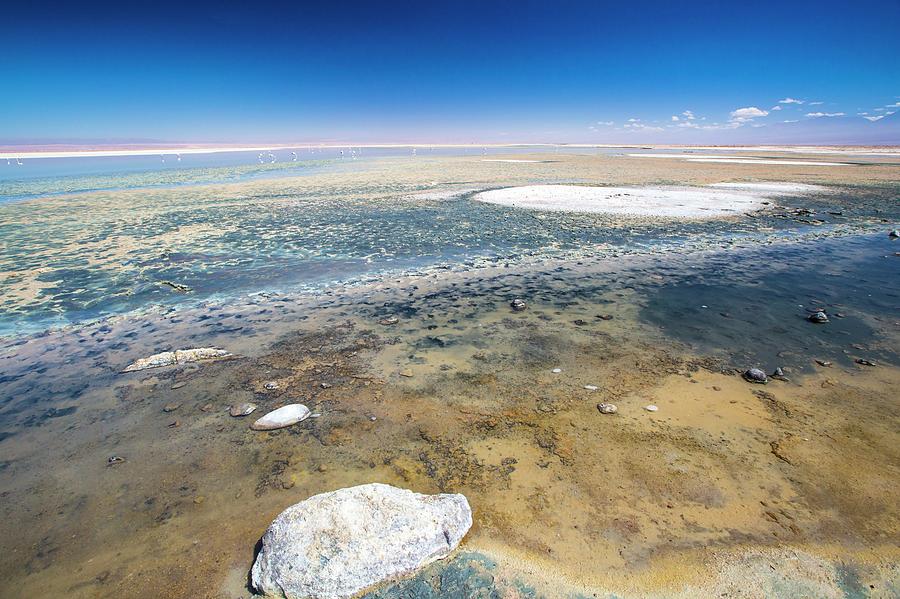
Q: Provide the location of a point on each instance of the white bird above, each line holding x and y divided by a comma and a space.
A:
293, 156
18, 161
178, 157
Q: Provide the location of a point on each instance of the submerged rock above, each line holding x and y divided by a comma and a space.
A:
818, 317
179, 356
242, 409
336, 544
389, 320
895, 233
518, 305
282, 417
755, 375
607, 408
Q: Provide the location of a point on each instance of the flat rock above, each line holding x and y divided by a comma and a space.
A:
242, 409
179, 356
336, 544
282, 417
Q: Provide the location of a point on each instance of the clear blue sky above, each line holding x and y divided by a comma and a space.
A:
451, 71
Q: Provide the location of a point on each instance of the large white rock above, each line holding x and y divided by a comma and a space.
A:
179, 356
282, 417
337, 544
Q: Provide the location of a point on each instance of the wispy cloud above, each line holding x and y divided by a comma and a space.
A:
791, 121
872, 119
790, 100
818, 115
635, 125
690, 115
816, 103
675, 119
606, 123
774, 108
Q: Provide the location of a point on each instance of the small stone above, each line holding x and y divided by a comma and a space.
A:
651, 408
864, 362
895, 233
206, 407
407, 373
271, 386
818, 317
242, 409
755, 375
171, 407
716, 388
518, 305
325, 385
607, 408
115, 459
174, 424
824, 363
605, 316
199, 499
178, 385
579, 322
287, 484
322, 468
373, 418
556, 370
389, 321
591, 387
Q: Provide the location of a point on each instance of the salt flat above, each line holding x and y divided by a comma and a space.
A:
665, 202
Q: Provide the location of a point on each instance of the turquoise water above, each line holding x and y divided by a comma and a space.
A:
53, 176
213, 227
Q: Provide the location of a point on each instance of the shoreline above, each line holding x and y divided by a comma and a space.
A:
29, 151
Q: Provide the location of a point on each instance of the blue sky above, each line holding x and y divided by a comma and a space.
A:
553, 71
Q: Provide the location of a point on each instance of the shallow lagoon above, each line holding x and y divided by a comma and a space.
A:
726, 484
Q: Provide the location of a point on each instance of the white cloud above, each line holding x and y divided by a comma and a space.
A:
816, 103
894, 105
742, 115
872, 119
790, 101
816, 115
774, 108
675, 119
794, 121
605, 123
634, 126
690, 115
633, 120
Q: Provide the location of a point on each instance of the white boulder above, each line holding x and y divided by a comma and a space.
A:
282, 417
336, 544
179, 356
